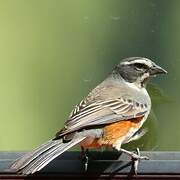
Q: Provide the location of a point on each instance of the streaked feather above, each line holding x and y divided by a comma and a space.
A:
23, 161
40, 157
103, 112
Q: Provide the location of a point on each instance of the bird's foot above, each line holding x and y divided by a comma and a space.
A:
85, 158
136, 157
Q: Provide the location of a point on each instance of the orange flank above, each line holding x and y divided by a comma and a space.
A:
90, 143
112, 133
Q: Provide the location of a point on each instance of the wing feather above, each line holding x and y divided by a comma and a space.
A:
101, 113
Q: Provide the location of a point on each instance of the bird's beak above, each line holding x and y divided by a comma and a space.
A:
155, 69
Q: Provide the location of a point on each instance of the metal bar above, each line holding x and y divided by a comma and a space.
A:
102, 165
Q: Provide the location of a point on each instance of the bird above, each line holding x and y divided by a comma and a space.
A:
111, 115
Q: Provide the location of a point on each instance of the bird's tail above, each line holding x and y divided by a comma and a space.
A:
41, 156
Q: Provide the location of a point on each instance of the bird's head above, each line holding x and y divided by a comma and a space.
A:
137, 70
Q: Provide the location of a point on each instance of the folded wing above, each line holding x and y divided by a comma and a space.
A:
102, 113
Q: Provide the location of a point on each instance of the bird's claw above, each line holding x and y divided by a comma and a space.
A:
136, 157
85, 159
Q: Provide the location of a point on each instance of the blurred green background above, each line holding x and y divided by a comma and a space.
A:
52, 52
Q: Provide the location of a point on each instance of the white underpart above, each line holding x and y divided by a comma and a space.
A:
136, 87
133, 86
142, 78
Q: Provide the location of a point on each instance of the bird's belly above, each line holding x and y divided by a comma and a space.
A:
90, 142
114, 134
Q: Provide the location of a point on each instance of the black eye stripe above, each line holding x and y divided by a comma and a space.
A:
140, 66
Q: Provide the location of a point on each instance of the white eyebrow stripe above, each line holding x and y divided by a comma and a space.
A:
143, 61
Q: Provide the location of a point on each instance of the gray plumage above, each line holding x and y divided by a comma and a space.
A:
121, 96
37, 159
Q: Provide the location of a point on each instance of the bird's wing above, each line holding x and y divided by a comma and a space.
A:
101, 113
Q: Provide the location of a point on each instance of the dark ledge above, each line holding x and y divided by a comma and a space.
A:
102, 165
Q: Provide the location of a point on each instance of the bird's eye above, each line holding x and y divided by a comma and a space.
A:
140, 66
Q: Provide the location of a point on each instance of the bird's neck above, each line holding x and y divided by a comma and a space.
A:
139, 83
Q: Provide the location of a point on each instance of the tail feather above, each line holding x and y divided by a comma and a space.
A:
43, 161
40, 157
28, 157
32, 161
